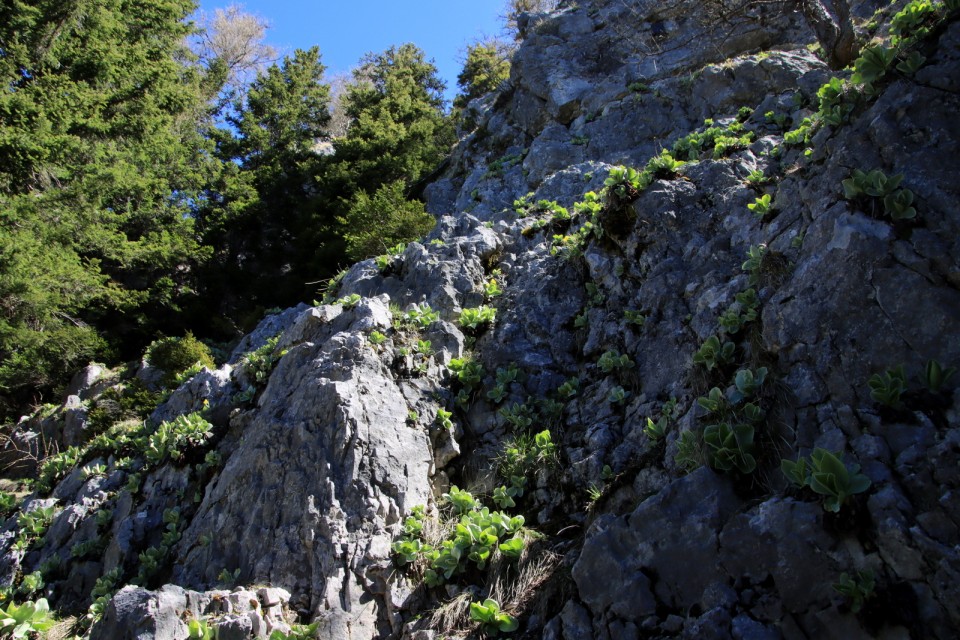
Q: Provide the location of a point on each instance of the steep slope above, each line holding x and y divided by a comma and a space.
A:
666, 344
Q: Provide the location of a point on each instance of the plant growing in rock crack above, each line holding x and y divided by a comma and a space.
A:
757, 179
688, 456
754, 262
730, 447
424, 348
27, 619
663, 166
491, 289
517, 415
872, 65
634, 317
505, 377
857, 589
172, 439
743, 311
260, 362
421, 316
827, 475
617, 395
474, 318
33, 524
713, 353
376, 338
569, 388
444, 419
504, 495
887, 388
746, 383
525, 452
897, 203
612, 360
624, 184
492, 620
8, 503
761, 206
715, 403
935, 376
297, 632
469, 372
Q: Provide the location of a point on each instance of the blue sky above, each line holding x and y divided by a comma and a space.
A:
345, 31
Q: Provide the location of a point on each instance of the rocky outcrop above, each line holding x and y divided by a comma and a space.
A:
324, 430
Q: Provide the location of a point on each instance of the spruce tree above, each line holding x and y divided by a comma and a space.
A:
101, 158
398, 134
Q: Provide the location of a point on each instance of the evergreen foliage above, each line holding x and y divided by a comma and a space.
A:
486, 67
101, 156
136, 200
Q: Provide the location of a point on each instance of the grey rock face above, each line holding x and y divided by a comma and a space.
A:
327, 464
315, 471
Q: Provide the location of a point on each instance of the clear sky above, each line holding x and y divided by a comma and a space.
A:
346, 30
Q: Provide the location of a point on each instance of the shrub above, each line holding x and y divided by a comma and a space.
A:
176, 355
375, 222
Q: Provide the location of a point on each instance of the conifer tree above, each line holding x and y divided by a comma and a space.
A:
100, 159
259, 216
398, 134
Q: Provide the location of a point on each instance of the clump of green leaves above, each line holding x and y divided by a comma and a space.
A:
886, 388
505, 377
761, 206
474, 318
624, 184
754, 262
857, 589
634, 317
827, 475
173, 439
469, 372
491, 618
688, 456
744, 310
617, 395
421, 316
612, 360
260, 362
297, 632
27, 619
897, 203
444, 419
717, 141
713, 353
33, 524
730, 447
935, 376
525, 452
663, 166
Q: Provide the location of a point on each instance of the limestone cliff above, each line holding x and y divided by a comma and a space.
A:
778, 283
